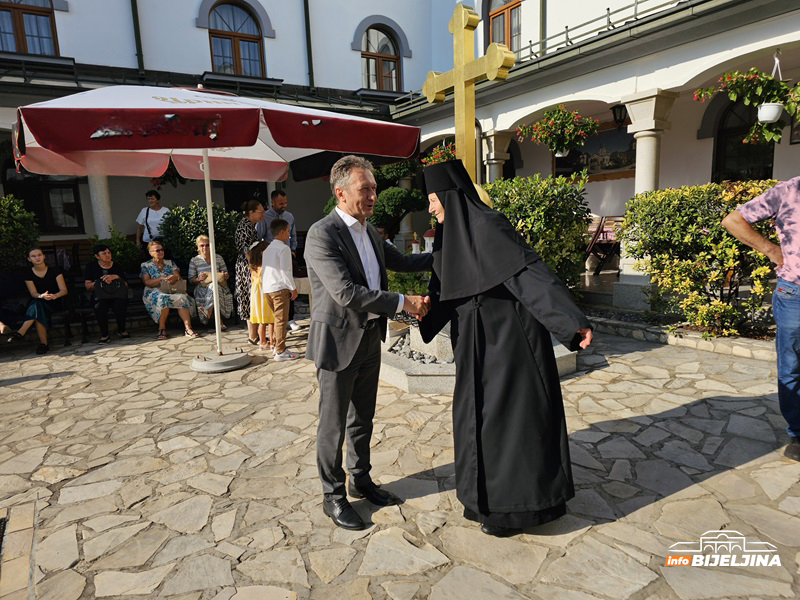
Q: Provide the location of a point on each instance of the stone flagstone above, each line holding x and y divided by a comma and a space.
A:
178, 547
698, 584
188, 516
65, 585
401, 590
103, 543
598, 568
466, 582
391, 552
263, 592
328, 564
199, 573
283, 566
59, 550
516, 562
118, 583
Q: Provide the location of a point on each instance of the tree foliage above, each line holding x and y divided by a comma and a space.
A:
123, 251
552, 215
19, 231
697, 267
182, 225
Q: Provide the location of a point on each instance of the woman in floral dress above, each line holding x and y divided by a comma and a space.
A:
245, 237
158, 303
200, 275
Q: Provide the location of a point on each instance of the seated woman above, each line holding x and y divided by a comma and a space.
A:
99, 278
46, 286
157, 302
200, 276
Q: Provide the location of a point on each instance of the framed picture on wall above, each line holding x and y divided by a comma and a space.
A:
609, 154
794, 134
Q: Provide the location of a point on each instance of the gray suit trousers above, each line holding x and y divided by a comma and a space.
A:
347, 403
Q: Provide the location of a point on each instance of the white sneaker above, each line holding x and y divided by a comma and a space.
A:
293, 326
286, 355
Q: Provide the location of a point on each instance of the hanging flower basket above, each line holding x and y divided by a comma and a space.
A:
439, 154
755, 88
561, 153
560, 130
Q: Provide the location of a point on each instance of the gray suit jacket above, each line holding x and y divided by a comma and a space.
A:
341, 298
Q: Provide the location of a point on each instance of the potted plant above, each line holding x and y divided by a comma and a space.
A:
755, 88
560, 130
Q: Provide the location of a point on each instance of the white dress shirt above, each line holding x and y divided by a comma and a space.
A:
366, 252
276, 268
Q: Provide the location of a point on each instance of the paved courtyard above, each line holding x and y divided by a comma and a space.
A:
146, 480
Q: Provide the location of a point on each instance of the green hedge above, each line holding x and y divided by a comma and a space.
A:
123, 251
552, 215
182, 225
18, 232
697, 267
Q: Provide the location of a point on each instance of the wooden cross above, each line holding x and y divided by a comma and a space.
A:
466, 72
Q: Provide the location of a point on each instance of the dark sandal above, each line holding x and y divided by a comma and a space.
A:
15, 337
162, 334
124, 335
104, 340
252, 342
191, 333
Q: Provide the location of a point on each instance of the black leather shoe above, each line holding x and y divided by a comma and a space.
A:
498, 531
372, 493
341, 513
793, 449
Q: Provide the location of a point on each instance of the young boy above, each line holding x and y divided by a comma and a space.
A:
278, 284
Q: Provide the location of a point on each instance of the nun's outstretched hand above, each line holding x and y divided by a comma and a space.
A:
586, 338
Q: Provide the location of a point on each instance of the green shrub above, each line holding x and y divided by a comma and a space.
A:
18, 232
123, 251
552, 215
182, 225
696, 265
414, 284
388, 175
392, 205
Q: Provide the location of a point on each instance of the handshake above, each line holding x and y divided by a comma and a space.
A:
417, 306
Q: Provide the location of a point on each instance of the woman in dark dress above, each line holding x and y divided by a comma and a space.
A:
46, 286
511, 451
103, 273
245, 237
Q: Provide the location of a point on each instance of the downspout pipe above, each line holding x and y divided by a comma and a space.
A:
137, 34
542, 26
309, 53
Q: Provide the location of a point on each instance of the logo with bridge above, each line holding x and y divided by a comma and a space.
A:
723, 549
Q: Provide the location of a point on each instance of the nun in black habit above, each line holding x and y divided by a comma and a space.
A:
501, 300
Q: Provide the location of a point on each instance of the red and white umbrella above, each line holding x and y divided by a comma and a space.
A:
136, 130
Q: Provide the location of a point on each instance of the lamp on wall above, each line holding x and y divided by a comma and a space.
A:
620, 113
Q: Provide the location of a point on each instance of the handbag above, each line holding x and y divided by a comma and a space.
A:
115, 290
207, 282
179, 287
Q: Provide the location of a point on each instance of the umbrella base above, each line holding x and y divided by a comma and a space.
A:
211, 362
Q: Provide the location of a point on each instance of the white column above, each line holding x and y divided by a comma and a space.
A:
496, 152
405, 236
649, 113
101, 204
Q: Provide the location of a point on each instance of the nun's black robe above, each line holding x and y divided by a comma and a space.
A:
511, 450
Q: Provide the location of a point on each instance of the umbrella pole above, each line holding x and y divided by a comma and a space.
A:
214, 282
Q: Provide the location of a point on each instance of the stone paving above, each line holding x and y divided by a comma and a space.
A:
152, 481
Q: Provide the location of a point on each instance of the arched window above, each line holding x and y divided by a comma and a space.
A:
380, 61
236, 47
28, 26
735, 161
505, 23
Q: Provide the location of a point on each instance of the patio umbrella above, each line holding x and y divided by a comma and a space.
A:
137, 130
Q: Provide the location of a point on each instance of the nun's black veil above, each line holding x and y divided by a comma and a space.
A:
476, 248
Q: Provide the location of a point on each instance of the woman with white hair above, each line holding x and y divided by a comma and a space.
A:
200, 275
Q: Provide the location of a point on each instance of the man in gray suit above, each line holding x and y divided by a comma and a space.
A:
347, 262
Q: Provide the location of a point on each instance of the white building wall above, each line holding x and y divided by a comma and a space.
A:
98, 32
333, 25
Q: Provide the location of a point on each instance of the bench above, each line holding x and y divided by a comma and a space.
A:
603, 242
